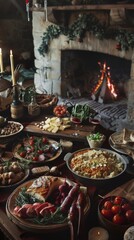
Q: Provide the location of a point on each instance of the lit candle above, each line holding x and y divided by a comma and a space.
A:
98, 233
12, 67
1, 61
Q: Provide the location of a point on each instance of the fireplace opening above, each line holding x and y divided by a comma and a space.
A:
80, 73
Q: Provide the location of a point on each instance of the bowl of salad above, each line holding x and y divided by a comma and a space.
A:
95, 140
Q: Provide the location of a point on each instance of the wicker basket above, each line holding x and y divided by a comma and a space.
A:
46, 102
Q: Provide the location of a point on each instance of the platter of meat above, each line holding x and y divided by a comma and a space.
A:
12, 174
48, 203
37, 149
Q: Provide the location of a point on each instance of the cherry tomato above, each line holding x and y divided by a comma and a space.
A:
119, 219
130, 215
39, 151
125, 207
116, 209
23, 154
118, 200
108, 204
44, 140
31, 142
107, 213
35, 158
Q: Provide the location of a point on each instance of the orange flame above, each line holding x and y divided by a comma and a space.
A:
105, 73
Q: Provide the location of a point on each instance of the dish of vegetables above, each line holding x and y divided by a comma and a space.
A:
37, 149
57, 206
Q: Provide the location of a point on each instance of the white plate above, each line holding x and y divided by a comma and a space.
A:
120, 150
12, 134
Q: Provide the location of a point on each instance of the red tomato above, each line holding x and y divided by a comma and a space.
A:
108, 204
118, 200
119, 219
35, 158
107, 213
23, 154
116, 209
31, 142
44, 140
39, 151
125, 207
130, 215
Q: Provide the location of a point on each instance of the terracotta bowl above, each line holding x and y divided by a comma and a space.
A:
113, 228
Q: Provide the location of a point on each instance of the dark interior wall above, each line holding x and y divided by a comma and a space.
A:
15, 30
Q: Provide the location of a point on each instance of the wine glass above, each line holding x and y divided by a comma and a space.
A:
76, 121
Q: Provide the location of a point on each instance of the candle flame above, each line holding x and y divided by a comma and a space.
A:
11, 52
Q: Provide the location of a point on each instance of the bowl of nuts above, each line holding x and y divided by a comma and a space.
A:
10, 130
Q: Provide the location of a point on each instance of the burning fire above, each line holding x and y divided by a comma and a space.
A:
105, 75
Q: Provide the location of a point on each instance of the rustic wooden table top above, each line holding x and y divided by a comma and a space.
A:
13, 232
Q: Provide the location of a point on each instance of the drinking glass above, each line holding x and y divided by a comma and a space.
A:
76, 121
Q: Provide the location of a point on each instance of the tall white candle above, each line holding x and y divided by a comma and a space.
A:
45, 9
1, 61
12, 67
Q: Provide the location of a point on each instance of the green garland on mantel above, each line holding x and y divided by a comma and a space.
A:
87, 23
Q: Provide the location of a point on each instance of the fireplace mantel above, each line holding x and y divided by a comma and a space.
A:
85, 7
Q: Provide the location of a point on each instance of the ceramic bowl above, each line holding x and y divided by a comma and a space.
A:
117, 228
81, 155
95, 143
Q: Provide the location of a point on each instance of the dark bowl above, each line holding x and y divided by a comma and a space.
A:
99, 182
118, 229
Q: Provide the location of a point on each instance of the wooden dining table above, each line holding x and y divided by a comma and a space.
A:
11, 231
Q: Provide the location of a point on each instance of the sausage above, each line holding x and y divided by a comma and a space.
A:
70, 198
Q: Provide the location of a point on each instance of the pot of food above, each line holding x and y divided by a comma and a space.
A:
96, 166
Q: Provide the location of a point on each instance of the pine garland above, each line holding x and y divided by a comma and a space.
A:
86, 23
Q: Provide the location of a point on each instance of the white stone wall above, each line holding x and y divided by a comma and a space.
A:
50, 80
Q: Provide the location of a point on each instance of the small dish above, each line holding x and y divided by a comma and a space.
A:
95, 140
66, 145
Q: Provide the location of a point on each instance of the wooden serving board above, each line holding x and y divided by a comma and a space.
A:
28, 225
83, 131
126, 190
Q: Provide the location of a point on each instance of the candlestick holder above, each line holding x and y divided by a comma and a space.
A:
16, 105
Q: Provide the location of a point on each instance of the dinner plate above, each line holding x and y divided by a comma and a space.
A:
27, 172
34, 227
51, 142
117, 147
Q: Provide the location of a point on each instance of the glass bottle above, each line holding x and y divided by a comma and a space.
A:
33, 107
16, 108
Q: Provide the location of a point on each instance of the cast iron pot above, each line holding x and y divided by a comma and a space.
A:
98, 182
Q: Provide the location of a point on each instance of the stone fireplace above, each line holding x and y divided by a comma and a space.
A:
49, 74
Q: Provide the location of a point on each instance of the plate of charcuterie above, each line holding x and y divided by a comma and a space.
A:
48, 203
37, 149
